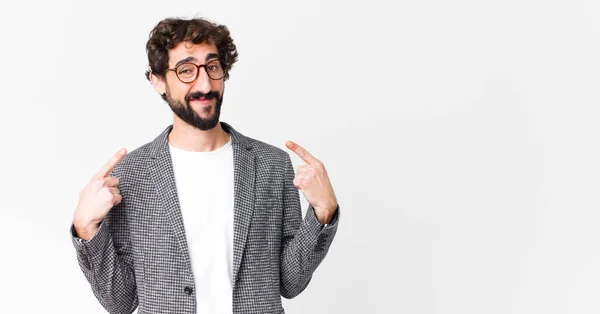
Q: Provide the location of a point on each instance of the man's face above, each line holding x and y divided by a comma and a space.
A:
197, 103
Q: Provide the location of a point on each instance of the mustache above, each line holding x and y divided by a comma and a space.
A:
202, 96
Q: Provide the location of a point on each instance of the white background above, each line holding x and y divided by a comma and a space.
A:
461, 138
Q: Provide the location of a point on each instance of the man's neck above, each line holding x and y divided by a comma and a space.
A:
187, 137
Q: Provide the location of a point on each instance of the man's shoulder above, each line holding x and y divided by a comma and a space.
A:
135, 161
138, 155
267, 151
265, 154
258, 145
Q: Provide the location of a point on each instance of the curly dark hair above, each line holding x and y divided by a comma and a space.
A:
171, 31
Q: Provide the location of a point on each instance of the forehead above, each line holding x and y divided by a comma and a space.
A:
186, 49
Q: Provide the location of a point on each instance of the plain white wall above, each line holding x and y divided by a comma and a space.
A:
461, 138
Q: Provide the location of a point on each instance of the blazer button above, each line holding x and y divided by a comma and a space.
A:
188, 290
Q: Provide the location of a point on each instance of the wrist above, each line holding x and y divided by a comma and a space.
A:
85, 229
325, 214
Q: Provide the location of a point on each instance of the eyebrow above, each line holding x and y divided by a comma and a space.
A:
192, 59
188, 59
211, 56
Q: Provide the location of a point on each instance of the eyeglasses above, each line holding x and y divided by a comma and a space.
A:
188, 72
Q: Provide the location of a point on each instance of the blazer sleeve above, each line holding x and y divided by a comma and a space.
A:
106, 260
304, 242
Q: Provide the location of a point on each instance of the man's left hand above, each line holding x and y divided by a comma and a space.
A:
314, 183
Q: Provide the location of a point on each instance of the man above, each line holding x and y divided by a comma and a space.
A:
202, 219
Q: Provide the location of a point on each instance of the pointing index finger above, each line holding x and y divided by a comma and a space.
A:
301, 152
110, 165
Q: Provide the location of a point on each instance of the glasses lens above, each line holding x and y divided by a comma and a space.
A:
215, 70
187, 72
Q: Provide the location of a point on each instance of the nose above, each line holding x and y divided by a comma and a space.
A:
202, 82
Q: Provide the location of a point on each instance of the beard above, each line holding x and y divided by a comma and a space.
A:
186, 113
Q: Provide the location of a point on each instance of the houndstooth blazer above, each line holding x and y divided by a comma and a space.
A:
139, 256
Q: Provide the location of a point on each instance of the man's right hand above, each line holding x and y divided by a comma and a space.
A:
97, 198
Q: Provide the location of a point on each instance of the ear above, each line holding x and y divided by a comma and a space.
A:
158, 83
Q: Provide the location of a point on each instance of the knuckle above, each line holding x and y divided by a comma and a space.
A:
106, 193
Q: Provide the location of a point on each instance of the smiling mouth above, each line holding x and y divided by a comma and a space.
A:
202, 100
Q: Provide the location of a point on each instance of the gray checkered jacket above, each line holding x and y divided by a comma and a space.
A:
139, 256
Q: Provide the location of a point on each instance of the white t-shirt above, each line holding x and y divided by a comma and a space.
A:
204, 183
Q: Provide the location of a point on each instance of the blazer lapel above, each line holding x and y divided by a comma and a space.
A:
244, 178
163, 176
